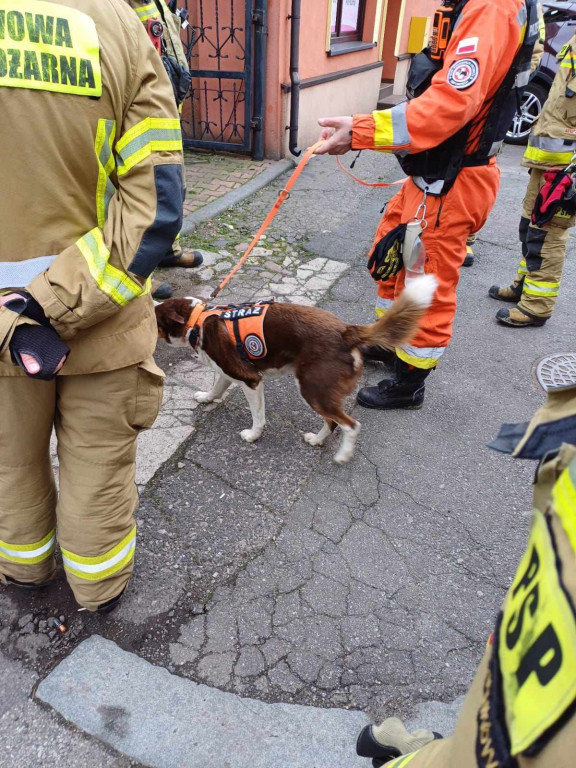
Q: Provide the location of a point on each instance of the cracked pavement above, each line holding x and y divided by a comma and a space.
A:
269, 571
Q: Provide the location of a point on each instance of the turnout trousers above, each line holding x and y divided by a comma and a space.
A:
450, 219
543, 253
96, 418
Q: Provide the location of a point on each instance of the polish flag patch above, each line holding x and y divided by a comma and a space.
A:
467, 46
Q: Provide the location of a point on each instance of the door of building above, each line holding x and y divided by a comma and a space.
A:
217, 113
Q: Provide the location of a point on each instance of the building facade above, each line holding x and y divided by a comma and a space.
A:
353, 54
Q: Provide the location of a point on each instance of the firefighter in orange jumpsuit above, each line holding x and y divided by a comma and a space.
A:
446, 138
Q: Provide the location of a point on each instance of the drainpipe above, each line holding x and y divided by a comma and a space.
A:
294, 77
260, 38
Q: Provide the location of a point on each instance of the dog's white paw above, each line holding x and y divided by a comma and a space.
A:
343, 457
250, 435
202, 397
313, 439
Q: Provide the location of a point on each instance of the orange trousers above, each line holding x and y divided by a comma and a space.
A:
450, 219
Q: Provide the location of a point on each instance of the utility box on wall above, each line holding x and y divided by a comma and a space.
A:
418, 34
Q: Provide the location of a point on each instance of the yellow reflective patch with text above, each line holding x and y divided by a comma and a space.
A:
537, 644
49, 47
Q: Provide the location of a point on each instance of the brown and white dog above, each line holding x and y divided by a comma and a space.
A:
321, 351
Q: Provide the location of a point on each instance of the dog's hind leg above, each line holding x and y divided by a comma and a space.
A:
255, 399
351, 430
221, 384
319, 438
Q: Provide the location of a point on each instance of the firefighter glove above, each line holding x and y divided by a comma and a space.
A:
386, 258
43, 344
557, 193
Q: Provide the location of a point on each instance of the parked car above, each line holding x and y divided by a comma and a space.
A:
560, 20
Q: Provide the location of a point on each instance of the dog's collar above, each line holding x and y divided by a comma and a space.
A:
192, 324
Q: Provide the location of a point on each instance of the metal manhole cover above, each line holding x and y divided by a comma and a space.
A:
557, 371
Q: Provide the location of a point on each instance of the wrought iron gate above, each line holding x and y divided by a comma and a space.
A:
217, 113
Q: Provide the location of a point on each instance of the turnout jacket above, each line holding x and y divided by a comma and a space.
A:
520, 711
552, 141
92, 168
479, 55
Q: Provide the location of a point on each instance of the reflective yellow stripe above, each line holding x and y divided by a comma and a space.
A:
102, 566
522, 269
400, 762
382, 305
383, 131
564, 497
29, 554
540, 288
391, 128
105, 189
148, 11
153, 134
113, 282
420, 357
543, 156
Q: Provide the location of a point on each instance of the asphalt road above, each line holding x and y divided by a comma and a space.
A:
269, 571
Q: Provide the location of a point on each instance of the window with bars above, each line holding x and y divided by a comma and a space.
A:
347, 20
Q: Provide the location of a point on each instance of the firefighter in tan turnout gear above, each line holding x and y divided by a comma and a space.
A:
552, 145
520, 711
163, 26
91, 200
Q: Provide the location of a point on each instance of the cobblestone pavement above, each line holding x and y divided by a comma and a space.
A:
269, 571
209, 177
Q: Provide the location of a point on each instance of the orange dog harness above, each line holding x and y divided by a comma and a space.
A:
244, 323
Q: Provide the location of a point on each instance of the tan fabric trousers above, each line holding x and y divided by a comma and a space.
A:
543, 253
96, 418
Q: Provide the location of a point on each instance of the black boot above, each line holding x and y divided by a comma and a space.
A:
378, 355
111, 604
404, 390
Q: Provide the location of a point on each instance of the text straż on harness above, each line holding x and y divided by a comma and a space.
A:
244, 323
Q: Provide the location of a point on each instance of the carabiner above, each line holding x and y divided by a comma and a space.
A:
420, 214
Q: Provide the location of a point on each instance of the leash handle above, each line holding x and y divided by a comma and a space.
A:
282, 197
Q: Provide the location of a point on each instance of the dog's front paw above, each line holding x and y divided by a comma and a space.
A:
250, 435
313, 439
202, 397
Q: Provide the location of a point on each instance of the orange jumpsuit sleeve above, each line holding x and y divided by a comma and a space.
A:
479, 55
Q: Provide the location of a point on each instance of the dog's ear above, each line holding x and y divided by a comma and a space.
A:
172, 314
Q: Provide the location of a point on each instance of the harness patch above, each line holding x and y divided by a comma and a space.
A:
463, 73
245, 326
49, 47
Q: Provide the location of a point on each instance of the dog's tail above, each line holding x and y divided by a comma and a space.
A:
400, 322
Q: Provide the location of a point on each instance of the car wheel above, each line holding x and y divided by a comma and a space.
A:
533, 100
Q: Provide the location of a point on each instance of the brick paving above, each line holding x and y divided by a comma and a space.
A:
209, 177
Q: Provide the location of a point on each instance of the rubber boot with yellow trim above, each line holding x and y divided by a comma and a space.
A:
516, 317
404, 390
506, 292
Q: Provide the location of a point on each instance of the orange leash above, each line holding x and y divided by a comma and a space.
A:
282, 197
368, 183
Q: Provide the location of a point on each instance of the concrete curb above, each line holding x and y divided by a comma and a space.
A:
236, 195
